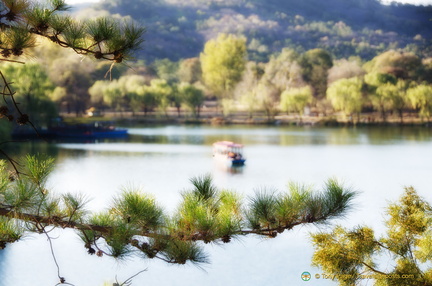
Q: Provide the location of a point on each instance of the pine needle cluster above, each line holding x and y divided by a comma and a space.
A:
354, 255
21, 21
135, 224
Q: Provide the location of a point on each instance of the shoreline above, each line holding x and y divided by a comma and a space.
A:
277, 121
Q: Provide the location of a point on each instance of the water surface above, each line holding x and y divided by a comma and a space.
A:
377, 162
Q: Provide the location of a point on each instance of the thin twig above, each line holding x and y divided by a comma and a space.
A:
62, 279
12, 61
11, 161
53, 254
128, 281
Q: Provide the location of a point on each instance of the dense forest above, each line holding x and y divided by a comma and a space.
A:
178, 29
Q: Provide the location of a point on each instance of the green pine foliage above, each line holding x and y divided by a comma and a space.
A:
271, 212
102, 38
354, 255
135, 224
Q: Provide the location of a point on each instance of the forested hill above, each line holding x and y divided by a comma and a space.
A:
179, 28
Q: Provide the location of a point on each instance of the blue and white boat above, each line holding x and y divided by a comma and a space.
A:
229, 152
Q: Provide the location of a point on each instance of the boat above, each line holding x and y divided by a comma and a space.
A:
229, 152
95, 130
58, 129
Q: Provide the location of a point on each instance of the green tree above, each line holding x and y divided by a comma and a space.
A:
315, 65
223, 62
96, 92
33, 90
192, 97
114, 96
166, 69
346, 95
176, 98
118, 94
399, 98
163, 92
420, 97
296, 99
380, 91
146, 99
74, 77
353, 255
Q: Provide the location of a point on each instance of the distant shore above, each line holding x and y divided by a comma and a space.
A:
213, 118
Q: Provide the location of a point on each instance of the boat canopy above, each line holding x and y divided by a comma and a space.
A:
227, 146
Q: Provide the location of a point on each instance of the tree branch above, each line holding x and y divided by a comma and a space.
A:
373, 269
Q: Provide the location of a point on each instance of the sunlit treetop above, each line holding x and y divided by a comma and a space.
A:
21, 21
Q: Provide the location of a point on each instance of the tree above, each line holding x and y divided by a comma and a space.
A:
176, 98
135, 224
163, 92
192, 97
284, 71
267, 99
190, 70
296, 99
420, 97
382, 90
353, 255
130, 86
406, 66
399, 98
166, 70
223, 62
118, 93
346, 95
316, 64
114, 96
345, 69
33, 91
146, 99
246, 90
96, 92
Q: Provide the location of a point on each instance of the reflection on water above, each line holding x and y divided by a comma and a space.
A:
166, 139
285, 136
228, 167
378, 162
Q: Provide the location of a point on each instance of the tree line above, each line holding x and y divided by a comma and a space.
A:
394, 82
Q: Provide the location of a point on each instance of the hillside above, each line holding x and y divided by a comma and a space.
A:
179, 28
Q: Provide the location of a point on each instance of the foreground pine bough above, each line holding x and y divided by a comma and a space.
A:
358, 255
24, 21
135, 223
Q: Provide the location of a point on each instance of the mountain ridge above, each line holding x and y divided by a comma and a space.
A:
178, 29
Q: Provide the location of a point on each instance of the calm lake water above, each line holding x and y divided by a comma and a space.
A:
377, 162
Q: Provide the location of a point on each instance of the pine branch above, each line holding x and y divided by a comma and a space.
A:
136, 221
373, 269
10, 212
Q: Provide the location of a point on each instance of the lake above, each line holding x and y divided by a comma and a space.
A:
377, 162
